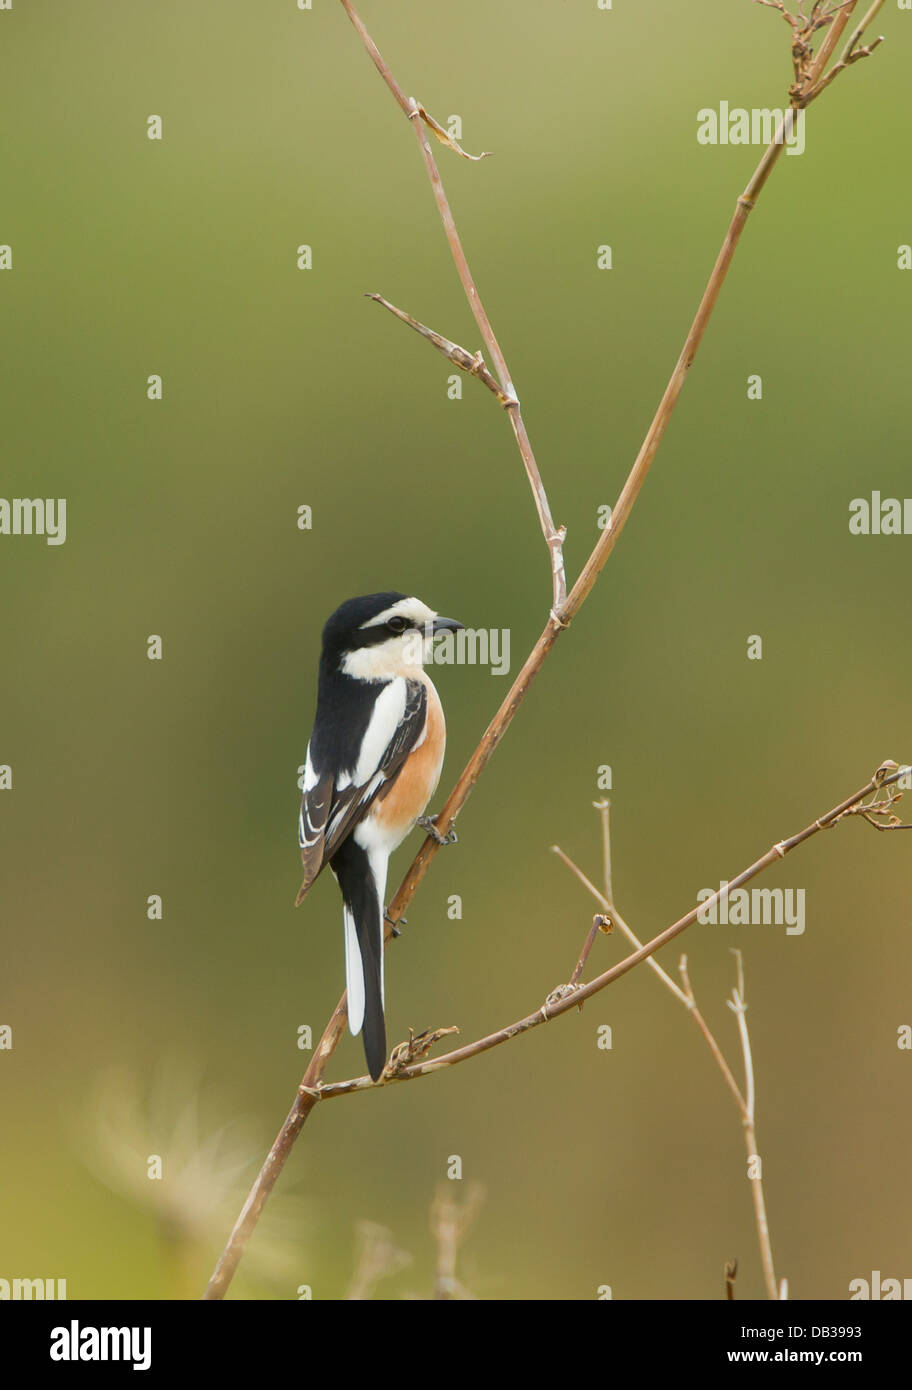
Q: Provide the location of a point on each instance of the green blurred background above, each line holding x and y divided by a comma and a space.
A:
281, 388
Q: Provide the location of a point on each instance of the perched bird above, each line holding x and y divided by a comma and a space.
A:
373, 764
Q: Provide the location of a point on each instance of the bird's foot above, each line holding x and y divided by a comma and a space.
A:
429, 824
395, 922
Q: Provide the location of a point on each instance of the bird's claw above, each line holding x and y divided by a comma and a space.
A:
429, 824
395, 922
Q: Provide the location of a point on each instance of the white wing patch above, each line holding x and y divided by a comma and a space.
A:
389, 707
344, 808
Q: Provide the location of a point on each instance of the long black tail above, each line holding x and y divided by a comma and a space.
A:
363, 951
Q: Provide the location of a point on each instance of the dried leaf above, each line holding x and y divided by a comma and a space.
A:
445, 137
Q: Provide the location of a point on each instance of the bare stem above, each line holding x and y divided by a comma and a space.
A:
744, 1102
473, 363
604, 809
654, 435
857, 32
710, 1040
599, 923
612, 913
554, 536
738, 1004
731, 1274
556, 1006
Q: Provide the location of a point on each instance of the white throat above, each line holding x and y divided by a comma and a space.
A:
401, 655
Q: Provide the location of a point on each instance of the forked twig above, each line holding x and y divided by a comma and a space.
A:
744, 1102
473, 363
421, 122
561, 1002
811, 77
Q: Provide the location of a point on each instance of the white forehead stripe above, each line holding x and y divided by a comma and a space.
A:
411, 608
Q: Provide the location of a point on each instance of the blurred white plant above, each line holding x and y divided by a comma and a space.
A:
124, 1128
378, 1257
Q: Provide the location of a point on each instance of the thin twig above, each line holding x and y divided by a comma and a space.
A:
857, 32
556, 1007
850, 54
710, 1040
554, 535
810, 68
744, 1102
600, 923
841, 17
612, 913
604, 809
738, 1004
473, 363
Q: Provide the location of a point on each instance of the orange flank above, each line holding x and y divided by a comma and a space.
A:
397, 808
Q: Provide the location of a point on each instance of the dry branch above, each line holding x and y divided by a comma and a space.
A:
470, 362
888, 774
554, 536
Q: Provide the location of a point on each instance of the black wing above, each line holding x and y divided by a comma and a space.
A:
329, 813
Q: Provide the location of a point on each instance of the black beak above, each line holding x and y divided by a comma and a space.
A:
446, 625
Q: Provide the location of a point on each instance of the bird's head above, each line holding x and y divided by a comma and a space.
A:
382, 635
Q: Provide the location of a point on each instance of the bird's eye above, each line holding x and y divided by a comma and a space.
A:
397, 624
